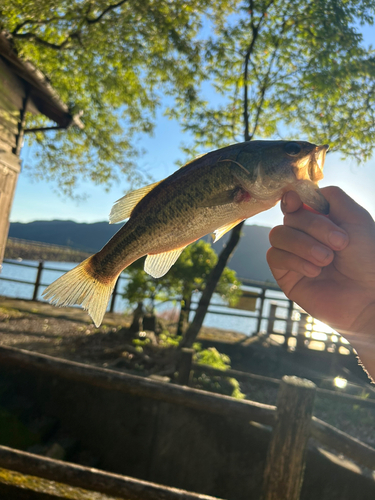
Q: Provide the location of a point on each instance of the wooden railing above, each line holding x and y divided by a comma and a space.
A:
292, 422
280, 310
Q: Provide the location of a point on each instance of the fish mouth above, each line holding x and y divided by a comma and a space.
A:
308, 171
317, 158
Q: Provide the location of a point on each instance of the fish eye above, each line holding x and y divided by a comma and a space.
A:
292, 148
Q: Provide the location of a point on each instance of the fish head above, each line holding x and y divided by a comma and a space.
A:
308, 160
279, 166
307, 168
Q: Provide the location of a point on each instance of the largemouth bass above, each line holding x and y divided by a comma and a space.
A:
212, 193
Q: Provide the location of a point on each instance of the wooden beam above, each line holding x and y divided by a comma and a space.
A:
343, 443
91, 479
139, 386
321, 393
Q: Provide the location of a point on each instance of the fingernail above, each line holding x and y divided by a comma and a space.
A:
320, 253
338, 239
310, 269
283, 199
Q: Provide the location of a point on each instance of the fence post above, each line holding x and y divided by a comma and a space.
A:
262, 297
184, 368
301, 335
271, 318
285, 461
289, 324
37, 280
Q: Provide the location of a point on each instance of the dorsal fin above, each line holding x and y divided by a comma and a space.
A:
220, 231
160, 263
123, 207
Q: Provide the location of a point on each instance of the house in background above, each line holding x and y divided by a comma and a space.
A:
23, 89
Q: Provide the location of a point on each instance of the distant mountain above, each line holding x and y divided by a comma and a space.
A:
86, 237
249, 259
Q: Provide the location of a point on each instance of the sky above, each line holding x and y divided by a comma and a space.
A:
37, 200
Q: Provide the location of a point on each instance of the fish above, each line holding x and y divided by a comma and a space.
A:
210, 194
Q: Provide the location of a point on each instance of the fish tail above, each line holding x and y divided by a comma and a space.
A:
83, 287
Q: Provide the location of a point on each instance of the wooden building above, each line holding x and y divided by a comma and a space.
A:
23, 88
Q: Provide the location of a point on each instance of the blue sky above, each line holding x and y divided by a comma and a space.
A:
38, 200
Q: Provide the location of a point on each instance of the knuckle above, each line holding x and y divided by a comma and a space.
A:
274, 234
269, 255
314, 224
334, 191
288, 219
273, 258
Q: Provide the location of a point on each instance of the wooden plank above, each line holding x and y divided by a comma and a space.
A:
8, 180
236, 374
11, 86
321, 393
10, 161
90, 478
18, 486
285, 462
139, 386
8, 139
343, 443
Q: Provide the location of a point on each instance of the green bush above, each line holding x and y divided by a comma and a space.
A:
227, 386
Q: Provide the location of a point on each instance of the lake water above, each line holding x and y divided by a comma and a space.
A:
241, 323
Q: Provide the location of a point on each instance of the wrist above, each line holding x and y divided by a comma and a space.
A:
361, 336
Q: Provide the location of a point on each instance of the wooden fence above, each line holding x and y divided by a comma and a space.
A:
292, 422
187, 367
273, 310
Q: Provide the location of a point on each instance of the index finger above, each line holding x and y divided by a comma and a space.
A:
319, 227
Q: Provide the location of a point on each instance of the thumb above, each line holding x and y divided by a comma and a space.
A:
344, 209
290, 202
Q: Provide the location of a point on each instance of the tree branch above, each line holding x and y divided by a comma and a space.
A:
43, 42
266, 80
255, 32
70, 36
105, 11
32, 21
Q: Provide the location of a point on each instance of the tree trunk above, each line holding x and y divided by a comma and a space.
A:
212, 281
138, 314
184, 314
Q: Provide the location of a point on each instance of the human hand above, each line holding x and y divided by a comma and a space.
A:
327, 264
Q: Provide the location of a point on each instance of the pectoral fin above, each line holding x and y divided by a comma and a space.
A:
223, 198
159, 264
219, 232
311, 195
123, 207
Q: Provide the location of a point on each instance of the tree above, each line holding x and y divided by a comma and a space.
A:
187, 276
284, 68
113, 60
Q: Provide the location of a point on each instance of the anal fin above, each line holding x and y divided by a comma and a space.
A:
159, 264
219, 232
